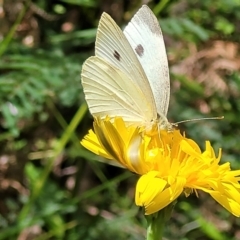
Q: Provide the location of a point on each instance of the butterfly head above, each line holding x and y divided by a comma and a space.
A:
163, 123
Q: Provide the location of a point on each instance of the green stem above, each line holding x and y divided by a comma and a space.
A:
157, 222
155, 227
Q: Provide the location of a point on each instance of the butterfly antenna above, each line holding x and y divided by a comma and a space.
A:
199, 119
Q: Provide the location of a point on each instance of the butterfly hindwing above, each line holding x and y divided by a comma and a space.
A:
110, 92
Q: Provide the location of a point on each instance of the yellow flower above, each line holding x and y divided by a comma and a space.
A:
168, 164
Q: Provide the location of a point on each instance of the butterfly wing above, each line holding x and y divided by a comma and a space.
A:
109, 91
113, 46
145, 37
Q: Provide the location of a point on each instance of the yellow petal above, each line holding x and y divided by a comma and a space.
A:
154, 193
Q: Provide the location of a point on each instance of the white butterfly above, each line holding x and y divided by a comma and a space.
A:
129, 76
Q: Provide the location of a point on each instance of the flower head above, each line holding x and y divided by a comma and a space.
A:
168, 164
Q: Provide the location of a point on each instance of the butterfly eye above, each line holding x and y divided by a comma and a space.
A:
139, 50
116, 55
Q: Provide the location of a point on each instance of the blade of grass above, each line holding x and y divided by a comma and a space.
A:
58, 150
160, 6
4, 44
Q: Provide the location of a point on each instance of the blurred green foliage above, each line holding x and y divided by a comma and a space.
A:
52, 188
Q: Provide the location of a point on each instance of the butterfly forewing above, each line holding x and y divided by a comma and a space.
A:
113, 46
110, 92
146, 39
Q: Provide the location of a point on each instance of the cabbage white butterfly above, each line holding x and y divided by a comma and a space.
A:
129, 76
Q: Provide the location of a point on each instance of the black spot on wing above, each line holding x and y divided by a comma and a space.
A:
139, 50
116, 55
